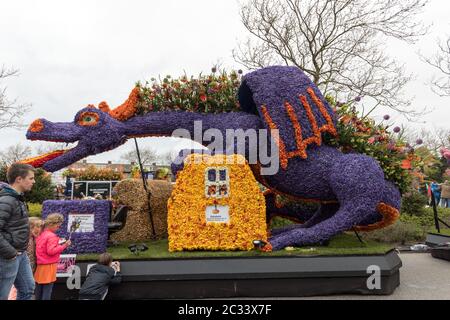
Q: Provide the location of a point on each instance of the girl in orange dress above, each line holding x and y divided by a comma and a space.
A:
48, 252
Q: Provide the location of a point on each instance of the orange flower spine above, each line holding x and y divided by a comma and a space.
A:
278, 141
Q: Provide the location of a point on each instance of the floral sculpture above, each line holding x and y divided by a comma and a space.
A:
208, 182
351, 187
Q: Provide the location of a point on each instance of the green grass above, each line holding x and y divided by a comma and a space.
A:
345, 244
445, 232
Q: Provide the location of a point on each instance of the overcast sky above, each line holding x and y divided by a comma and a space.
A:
74, 53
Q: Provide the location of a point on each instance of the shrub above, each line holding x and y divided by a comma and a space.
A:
3, 170
35, 209
427, 219
42, 190
400, 233
413, 203
91, 173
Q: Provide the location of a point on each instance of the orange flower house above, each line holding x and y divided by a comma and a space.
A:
216, 204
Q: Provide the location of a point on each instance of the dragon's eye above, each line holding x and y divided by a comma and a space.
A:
88, 119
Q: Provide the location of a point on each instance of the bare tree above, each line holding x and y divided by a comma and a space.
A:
148, 156
434, 139
338, 43
11, 112
14, 154
441, 61
165, 158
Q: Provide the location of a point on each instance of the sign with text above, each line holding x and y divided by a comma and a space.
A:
218, 214
84, 222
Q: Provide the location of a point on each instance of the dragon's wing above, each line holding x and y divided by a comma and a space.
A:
287, 100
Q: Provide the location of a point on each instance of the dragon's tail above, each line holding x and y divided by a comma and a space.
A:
390, 216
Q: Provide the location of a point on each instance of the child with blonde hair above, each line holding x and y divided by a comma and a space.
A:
35, 225
48, 252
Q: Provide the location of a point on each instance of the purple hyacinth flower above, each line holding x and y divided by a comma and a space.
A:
419, 142
386, 117
397, 129
358, 99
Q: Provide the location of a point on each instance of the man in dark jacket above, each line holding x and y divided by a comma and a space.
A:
14, 233
100, 277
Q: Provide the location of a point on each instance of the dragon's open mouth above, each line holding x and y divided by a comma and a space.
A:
41, 160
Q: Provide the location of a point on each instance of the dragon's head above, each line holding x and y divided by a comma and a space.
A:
95, 131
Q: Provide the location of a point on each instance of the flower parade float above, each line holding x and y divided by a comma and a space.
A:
351, 188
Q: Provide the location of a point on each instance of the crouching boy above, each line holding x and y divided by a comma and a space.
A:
100, 277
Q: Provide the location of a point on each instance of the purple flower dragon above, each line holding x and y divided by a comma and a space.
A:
351, 188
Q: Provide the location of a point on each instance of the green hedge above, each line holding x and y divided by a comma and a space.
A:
411, 228
35, 209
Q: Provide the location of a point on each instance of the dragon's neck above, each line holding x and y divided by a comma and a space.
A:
164, 123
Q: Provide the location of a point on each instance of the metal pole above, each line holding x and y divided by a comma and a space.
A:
435, 212
144, 181
358, 236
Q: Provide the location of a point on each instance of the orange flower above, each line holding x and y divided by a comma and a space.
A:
406, 164
127, 109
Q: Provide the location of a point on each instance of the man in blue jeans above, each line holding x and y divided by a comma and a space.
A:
14, 233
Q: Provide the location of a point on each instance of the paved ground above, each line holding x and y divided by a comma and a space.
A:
422, 277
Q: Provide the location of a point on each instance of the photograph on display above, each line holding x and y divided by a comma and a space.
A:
217, 184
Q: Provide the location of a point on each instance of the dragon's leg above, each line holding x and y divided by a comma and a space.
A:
359, 185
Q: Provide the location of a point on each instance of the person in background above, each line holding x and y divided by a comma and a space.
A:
14, 233
98, 196
100, 277
436, 190
445, 194
48, 252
